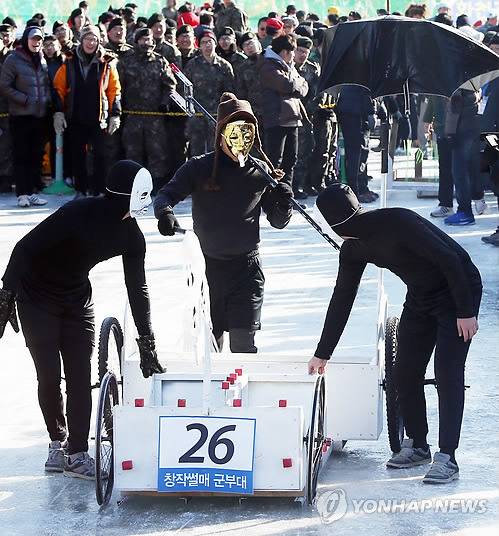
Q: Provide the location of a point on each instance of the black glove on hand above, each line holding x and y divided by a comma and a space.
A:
8, 311
167, 222
281, 195
149, 363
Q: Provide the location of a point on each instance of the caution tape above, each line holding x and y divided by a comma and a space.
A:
160, 114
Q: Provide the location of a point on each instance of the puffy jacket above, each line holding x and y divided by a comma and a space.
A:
26, 87
282, 88
109, 85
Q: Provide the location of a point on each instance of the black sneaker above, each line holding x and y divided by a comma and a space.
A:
493, 239
300, 194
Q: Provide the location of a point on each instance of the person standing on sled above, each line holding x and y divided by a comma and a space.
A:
228, 193
444, 290
47, 276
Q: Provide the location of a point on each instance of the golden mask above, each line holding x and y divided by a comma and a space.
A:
237, 140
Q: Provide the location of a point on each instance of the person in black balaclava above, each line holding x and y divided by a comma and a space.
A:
228, 194
47, 276
440, 312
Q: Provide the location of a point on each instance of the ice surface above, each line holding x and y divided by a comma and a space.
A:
300, 269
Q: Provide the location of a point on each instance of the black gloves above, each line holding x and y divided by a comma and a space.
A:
167, 222
149, 363
281, 195
8, 311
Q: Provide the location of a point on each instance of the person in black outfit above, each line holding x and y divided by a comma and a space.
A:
440, 312
47, 276
355, 113
228, 194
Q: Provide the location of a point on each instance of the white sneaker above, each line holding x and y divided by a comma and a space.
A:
480, 206
441, 212
36, 200
23, 201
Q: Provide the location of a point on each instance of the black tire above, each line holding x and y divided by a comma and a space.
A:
110, 361
394, 419
315, 438
104, 441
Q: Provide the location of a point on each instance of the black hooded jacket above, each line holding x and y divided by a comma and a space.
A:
438, 272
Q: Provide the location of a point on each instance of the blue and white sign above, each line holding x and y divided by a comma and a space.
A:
202, 453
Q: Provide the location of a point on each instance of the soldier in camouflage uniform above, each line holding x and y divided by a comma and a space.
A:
231, 16
186, 43
211, 76
316, 164
171, 53
116, 38
5, 138
227, 49
146, 84
311, 72
248, 86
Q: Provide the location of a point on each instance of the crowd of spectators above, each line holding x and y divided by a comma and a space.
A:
104, 83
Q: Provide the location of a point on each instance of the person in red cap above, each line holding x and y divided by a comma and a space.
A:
228, 194
211, 76
274, 28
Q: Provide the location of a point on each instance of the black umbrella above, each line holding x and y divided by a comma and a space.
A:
395, 55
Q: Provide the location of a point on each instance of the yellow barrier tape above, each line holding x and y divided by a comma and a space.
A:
163, 114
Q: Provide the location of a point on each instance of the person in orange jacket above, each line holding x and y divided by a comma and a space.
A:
88, 103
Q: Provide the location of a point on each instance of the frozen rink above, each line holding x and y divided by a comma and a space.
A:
300, 269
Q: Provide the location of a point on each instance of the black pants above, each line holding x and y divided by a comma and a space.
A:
81, 136
281, 146
27, 133
68, 333
419, 334
351, 127
445, 180
236, 298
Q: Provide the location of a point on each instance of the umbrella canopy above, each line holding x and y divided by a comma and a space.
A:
394, 55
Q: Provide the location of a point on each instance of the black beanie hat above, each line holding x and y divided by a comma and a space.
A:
120, 178
305, 30
304, 42
141, 32
339, 206
117, 21
248, 36
154, 18
184, 29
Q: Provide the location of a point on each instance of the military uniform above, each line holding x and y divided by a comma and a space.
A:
120, 49
113, 143
146, 83
210, 80
316, 164
231, 16
170, 52
311, 72
5, 138
248, 86
236, 59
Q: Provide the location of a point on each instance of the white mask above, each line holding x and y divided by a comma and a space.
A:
140, 197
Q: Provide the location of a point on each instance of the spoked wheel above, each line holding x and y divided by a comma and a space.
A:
315, 438
104, 466
110, 346
393, 413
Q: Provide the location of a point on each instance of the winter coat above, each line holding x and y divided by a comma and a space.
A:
282, 88
109, 85
26, 86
